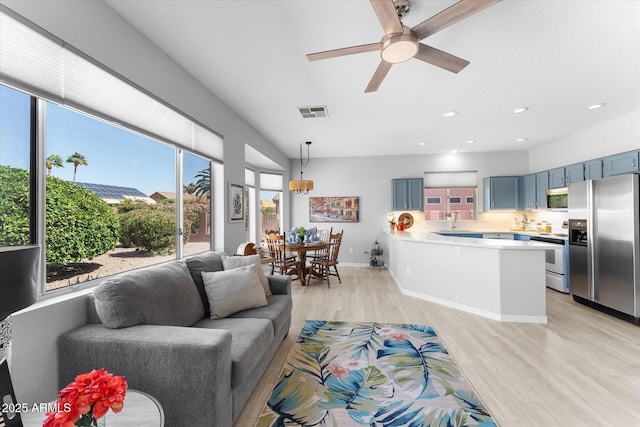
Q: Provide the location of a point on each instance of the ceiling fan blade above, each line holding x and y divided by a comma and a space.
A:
451, 15
344, 51
387, 15
378, 76
440, 59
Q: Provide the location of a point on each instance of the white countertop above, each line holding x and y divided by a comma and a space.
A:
427, 236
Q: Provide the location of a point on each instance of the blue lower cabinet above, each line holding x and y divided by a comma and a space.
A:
523, 237
473, 235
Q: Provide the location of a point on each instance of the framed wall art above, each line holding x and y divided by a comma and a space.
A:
236, 202
334, 209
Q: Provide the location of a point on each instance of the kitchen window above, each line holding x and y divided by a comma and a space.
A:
450, 193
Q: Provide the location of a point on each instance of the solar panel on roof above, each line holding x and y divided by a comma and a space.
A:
111, 191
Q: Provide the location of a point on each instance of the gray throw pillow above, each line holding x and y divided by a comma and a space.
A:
230, 291
207, 261
231, 262
159, 295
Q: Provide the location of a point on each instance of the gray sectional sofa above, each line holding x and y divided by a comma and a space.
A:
152, 327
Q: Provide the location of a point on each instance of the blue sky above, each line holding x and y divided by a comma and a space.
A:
114, 156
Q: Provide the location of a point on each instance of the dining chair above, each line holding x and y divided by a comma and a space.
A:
327, 258
323, 236
282, 262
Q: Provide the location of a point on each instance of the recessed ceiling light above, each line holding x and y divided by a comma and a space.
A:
520, 110
422, 143
471, 141
449, 114
521, 139
596, 106
454, 151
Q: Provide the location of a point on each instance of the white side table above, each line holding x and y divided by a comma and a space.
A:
140, 409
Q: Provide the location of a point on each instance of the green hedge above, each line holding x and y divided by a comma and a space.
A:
14, 206
79, 224
151, 228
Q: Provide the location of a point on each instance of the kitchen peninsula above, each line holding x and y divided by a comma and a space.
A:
503, 280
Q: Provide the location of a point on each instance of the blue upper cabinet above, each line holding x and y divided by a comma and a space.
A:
528, 192
500, 192
416, 194
542, 185
593, 169
407, 194
557, 178
574, 173
621, 163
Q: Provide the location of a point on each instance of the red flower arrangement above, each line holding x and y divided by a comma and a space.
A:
86, 399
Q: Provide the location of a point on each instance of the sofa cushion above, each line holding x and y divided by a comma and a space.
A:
229, 291
158, 295
278, 311
231, 262
250, 339
208, 261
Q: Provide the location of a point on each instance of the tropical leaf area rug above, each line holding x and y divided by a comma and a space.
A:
371, 374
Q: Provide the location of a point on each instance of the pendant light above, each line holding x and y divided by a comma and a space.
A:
298, 186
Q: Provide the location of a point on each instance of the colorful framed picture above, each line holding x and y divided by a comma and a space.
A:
236, 202
334, 209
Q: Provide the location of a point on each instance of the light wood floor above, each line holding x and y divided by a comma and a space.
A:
580, 369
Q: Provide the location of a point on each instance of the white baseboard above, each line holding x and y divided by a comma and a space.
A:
473, 310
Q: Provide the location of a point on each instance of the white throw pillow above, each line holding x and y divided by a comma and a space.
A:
231, 262
230, 291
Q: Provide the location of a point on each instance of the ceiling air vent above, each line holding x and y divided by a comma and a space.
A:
313, 112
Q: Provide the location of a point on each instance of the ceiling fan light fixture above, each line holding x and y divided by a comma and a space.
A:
399, 47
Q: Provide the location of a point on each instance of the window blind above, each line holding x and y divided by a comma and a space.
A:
270, 182
249, 177
46, 67
450, 179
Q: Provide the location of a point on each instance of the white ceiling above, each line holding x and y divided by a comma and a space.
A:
555, 57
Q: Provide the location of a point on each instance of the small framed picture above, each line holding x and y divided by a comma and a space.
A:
236, 202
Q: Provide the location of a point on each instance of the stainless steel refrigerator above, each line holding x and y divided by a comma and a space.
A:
604, 244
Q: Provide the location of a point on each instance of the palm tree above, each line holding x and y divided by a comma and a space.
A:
77, 159
190, 188
203, 184
53, 160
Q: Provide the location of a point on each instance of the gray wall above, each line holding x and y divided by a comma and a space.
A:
370, 179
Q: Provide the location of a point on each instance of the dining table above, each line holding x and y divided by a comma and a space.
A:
301, 249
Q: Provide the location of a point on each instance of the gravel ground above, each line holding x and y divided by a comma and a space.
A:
115, 261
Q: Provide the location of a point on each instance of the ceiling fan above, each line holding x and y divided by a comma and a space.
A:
401, 43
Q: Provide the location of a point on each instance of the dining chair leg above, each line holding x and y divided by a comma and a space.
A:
337, 274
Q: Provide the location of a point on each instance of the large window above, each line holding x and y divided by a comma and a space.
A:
111, 202
270, 204
16, 192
